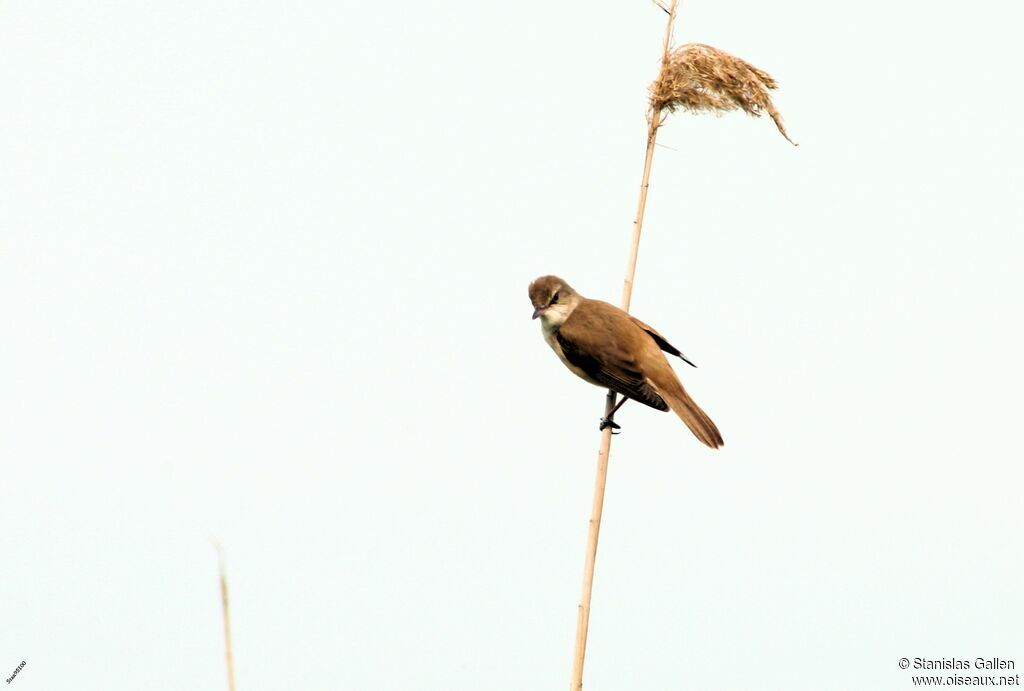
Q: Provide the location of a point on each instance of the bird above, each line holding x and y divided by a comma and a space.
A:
610, 348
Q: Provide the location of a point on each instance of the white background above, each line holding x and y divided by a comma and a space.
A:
263, 270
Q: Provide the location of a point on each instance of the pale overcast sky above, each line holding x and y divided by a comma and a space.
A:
264, 272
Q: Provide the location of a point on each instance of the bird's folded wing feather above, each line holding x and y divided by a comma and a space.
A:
588, 341
661, 341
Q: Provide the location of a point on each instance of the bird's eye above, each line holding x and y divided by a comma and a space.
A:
554, 298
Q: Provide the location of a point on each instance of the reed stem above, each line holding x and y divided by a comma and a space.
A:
225, 609
594, 530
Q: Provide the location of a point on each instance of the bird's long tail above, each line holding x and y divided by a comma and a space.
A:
691, 414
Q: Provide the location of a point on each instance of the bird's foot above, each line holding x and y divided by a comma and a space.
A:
608, 422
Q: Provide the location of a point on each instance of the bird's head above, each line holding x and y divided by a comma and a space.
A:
553, 301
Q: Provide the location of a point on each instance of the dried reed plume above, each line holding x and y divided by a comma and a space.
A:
698, 78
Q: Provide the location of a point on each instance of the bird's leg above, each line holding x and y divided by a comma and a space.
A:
607, 420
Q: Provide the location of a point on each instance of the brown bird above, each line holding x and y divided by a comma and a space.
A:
610, 348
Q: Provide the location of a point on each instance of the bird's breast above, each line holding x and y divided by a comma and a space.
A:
552, 341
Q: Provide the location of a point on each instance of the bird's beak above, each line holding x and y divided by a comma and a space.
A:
536, 312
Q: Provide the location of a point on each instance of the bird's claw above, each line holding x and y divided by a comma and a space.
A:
606, 423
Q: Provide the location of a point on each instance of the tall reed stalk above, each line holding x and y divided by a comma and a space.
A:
694, 77
583, 612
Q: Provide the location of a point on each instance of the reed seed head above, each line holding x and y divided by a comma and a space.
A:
699, 78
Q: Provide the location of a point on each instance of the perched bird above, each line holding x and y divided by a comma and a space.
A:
610, 348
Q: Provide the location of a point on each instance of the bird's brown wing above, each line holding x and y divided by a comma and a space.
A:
661, 341
596, 339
